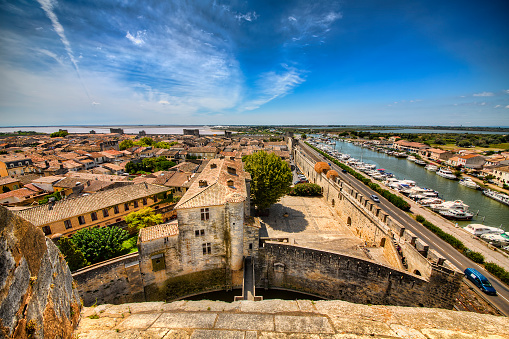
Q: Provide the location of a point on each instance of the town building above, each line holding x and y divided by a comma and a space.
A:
11, 165
104, 208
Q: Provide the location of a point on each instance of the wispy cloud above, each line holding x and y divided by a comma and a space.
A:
138, 39
250, 16
484, 94
272, 85
47, 6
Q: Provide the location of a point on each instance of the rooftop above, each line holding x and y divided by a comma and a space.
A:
159, 231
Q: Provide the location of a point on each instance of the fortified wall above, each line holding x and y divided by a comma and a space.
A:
418, 276
38, 298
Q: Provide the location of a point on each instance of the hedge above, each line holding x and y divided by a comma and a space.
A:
306, 189
392, 198
497, 271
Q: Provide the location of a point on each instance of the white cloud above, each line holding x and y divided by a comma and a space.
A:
164, 102
51, 55
138, 39
95, 103
291, 18
484, 94
497, 106
507, 106
507, 91
272, 85
250, 16
483, 103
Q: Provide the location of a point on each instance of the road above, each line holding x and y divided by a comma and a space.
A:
501, 301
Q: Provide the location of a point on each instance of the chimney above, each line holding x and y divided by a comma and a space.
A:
51, 203
202, 183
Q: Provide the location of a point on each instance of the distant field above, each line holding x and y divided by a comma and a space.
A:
494, 147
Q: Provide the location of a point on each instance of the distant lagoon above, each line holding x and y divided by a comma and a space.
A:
131, 129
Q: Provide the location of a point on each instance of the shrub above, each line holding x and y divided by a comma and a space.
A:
306, 189
474, 256
419, 218
497, 271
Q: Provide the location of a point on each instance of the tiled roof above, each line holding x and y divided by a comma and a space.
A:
8, 180
217, 191
159, 231
68, 208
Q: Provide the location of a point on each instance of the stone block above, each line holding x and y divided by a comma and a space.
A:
139, 321
302, 324
269, 306
186, 320
217, 334
87, 324
245, 321
363, 327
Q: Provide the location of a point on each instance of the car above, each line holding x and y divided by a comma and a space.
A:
344, 170
374, 198
480, 281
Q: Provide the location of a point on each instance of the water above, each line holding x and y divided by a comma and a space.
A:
493, 212
163, 129
228, 296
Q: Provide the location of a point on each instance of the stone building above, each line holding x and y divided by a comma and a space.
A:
104, 208
210, 238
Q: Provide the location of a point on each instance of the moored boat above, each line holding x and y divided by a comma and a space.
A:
500, 197
431, 167
479, 229
446, 173
454, 214
467, 182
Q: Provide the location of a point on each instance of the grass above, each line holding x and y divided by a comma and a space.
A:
129, 245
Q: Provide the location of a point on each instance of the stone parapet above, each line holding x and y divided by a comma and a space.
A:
283, 319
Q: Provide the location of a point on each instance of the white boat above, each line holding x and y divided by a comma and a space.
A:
467, 182
420, 162
500, 197
448, 205
456, 214
431, 168
411, 158
446, 173
479, 229
430, 201
497, 240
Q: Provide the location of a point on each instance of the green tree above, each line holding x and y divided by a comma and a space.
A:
100, 243
128, 143
143, 218
303, 136
74, 257
5, 189
59, 134
271, 178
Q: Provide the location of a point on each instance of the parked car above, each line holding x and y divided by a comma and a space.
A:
344, 170
480, 281
374, 198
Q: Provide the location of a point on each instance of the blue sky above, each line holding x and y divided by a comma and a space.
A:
254, 62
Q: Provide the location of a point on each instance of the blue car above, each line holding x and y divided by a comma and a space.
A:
480, 281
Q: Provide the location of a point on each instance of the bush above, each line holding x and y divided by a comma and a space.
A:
100, 243
497, 271
419, 218
474, 256
306, 189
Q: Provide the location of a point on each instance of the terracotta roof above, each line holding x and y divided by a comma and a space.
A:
8, 180
211, 187
68, 208
159, 231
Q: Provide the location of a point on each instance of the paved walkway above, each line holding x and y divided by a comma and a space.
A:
283, 319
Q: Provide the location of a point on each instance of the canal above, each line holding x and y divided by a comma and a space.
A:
491, 212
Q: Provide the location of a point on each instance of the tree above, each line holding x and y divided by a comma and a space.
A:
5, 189
143, 218
303, 136
74, 257
128, 143
59, 134
271, 178
100, 243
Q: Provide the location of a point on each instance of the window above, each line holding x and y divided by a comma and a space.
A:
115, 209
204, 214
144, 201
81, 219
135, 202
199, 233
93, 215
105, 213
126, 207
207, 248
155, 198
250, 246
158, 262
46, 230
67, 224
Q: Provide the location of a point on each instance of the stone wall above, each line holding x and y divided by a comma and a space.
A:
37, 295
114, 281
337, 276
402, 249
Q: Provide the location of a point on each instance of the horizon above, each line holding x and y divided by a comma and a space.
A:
107, 63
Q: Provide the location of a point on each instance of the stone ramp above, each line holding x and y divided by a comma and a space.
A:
283, 319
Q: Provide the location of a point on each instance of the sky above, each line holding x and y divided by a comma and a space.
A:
349, 62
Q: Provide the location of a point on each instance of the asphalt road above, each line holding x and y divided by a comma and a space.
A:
501, 301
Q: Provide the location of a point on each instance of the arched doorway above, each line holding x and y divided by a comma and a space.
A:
333, 202
416, 272
349, 221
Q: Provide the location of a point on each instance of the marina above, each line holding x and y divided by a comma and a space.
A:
483, 208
